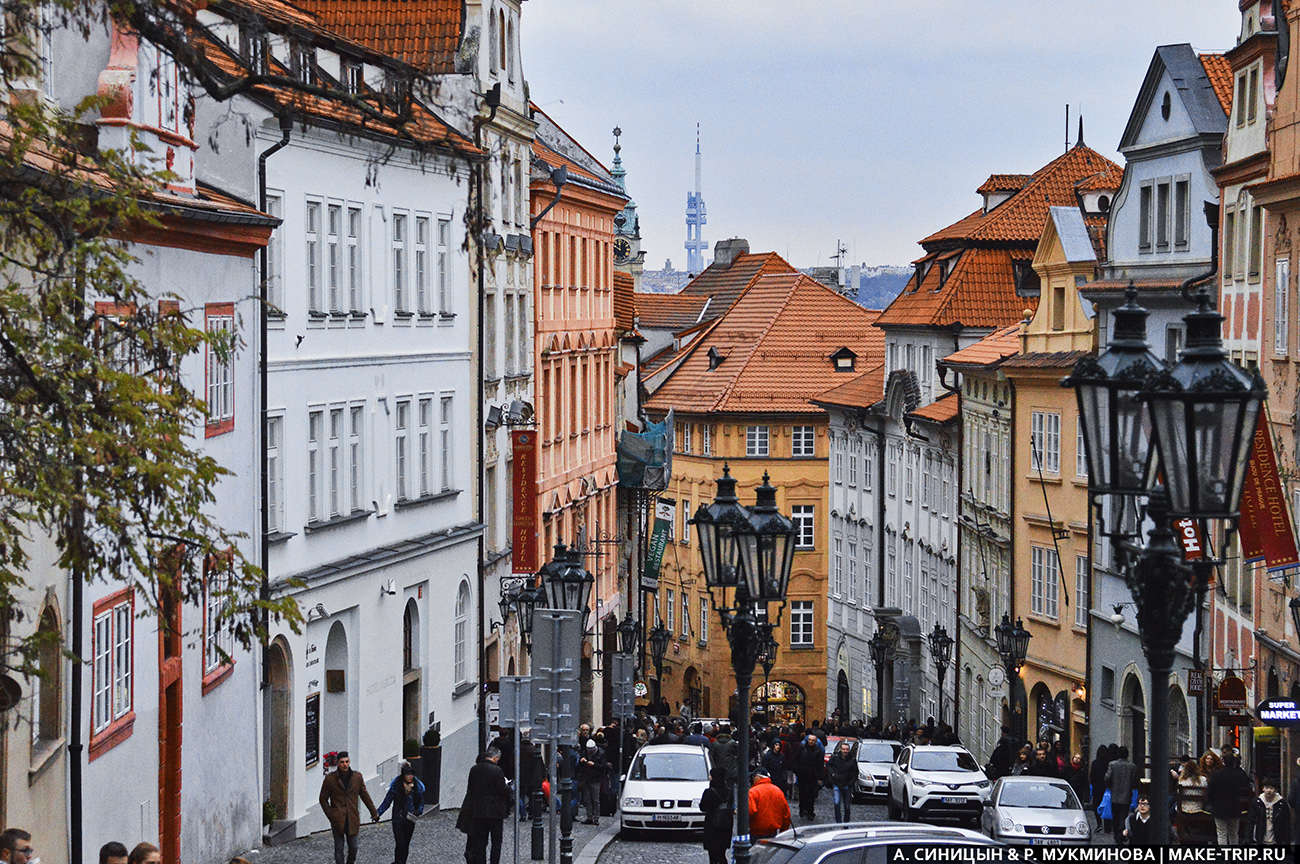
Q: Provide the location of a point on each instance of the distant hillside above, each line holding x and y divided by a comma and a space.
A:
872, 286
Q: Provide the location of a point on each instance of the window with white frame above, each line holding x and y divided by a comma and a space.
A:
356, 468
1046, 439
853, 572
333, 457
891, 472
891, 570
315, 431
686, 437
312, 229
1145, 193
802, 441
1081, 599
706, 440
400, 300
444, 266
422, 285
756, 441
686, 521
804, 531
853, 465
839, 466
1080, 450
401, 428
704, 619
333, 256
510, 340
461, 634
446, 443
1281, 297
424, 444
274, 474
352, 242
909, 475
948, 470
837, 583
1044, 582
801, 623
908, 570
218, 639
275, 254
686, 615
671, 611
868, 469
926, 476
220, 324
112, 635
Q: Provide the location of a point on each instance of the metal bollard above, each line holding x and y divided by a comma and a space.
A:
538, 840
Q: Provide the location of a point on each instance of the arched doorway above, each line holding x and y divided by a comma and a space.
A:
1133, 720
692, 692
1043, 706
335, 728
411, 669
842, 696
277, 723
782, 701
1180, 724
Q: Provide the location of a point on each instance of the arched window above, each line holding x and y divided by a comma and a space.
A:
493, 62
461, 632
410, 636
510, 49
47, 689
501, 39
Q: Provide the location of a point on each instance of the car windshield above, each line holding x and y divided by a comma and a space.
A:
943, 760
877, 751
670, 766
770, 853
1043, 796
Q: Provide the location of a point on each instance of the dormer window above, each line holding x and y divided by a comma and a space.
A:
844, 360
396, 89
350, 77
715, 359
302, 62
252, 47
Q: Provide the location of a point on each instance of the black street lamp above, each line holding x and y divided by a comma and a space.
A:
941, 653
527, 599
767, 659
883, 646
629, 634
1294, 605
658, 638
1013, 646
750, 554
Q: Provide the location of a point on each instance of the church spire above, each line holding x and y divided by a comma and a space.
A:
631, 226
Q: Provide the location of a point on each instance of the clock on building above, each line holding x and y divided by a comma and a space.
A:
622, 250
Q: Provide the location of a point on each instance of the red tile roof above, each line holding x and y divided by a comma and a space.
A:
979, 292
942, 410
988, 351
1219, 71
668, 311
1004, 183
422, 33
624, 302
1106, 180
862, 392
725, 284
1045, 360
775, 342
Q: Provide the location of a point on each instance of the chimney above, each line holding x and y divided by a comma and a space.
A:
725, 252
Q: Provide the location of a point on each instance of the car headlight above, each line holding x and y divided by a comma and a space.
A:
1081, 828
921, 783
1006, 824
983, 784
1020, 828
632, 802
695, 803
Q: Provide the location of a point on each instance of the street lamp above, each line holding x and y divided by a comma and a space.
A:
659, 637
526, 600
629, 634
750, 553
941, 653
883, 646
767, 659
1013, 646
1294, 605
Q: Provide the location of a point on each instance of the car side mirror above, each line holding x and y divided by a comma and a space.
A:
622, 778
988, 802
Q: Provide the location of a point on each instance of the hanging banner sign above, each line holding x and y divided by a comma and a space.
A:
524, 504
665, 510
1230, 695
1281, 713
1189, 536
1266, 532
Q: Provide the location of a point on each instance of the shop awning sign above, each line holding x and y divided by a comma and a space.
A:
1280, 713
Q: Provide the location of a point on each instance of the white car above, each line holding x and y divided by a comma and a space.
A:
875, 757
929, 781
1039, 811
663, 786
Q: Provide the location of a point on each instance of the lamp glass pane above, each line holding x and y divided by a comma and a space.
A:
707, 532
1132, 442
1214, 427
1245, 445
1094, 414
1170, 432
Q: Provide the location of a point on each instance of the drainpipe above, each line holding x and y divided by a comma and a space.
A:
880, 507
286, 126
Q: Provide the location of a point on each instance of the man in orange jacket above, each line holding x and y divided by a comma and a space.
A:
769, 812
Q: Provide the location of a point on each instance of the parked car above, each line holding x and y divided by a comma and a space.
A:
1036, 810
702, 725
857, 842
928, 781
875, 757
662, 788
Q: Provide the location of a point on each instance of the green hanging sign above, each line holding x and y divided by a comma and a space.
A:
665, 509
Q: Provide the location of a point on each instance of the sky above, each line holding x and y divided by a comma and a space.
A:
870, 123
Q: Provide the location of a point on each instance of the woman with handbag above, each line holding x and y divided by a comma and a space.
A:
715, 804
406, 797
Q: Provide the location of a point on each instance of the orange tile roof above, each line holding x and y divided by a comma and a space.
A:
624, 302
724, 285
1004, 183
1022, 216
1219, 71
668, 311
979, 292
775, 342
990, 350
1107, 179
862, 392
942, 410
422, 33
1045, 360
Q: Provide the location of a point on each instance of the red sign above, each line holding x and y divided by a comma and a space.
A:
1266, 532
524, 503
1189, 535
1231, 695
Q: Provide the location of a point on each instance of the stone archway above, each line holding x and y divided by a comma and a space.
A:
336, 726
842, 695
412, 668
1180, 725
1133, 719
278, 723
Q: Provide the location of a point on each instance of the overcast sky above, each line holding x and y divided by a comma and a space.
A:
872, 122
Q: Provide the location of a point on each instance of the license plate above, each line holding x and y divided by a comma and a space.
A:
1044, 841
948, 799
668, 817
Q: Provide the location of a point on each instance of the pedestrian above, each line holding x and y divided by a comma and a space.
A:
1001, 758
809, 770
143, 853
486, 805
1227, 794
1121, 778
769, 811
1270, 817
591, 774
1077, 777
773, 764
113, 852
340, 792
406, 797
1044, 764
1195, 826
16, 847
1024, 761
715, 804
531, 771
1062, 758
841, 773
725, 752
1139, 828
1293, 799
1097, 782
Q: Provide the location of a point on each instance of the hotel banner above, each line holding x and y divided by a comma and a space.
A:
523, 494
665, 510
1266, 532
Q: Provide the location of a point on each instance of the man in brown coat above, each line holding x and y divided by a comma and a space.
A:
338, 800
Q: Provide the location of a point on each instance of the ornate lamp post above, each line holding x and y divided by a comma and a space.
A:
767, 659
658, 638
941, 654
1202, 414
629, 634
750, 555
883, 645
1294, 606
1013, 646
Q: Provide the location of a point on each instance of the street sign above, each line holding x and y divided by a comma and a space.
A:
1195, 682
513, 700
556, 692
1281, 713
622, 695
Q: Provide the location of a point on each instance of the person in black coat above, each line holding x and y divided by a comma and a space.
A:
809, 769
774, 766
1097, 779
1270, 817
715, 804
487, 803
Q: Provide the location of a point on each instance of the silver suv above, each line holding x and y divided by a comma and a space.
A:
857, 842
931, 781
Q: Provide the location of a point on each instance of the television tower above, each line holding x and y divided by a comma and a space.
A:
696, 217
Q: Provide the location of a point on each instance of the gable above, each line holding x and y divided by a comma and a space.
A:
1194, 106
1153, 128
